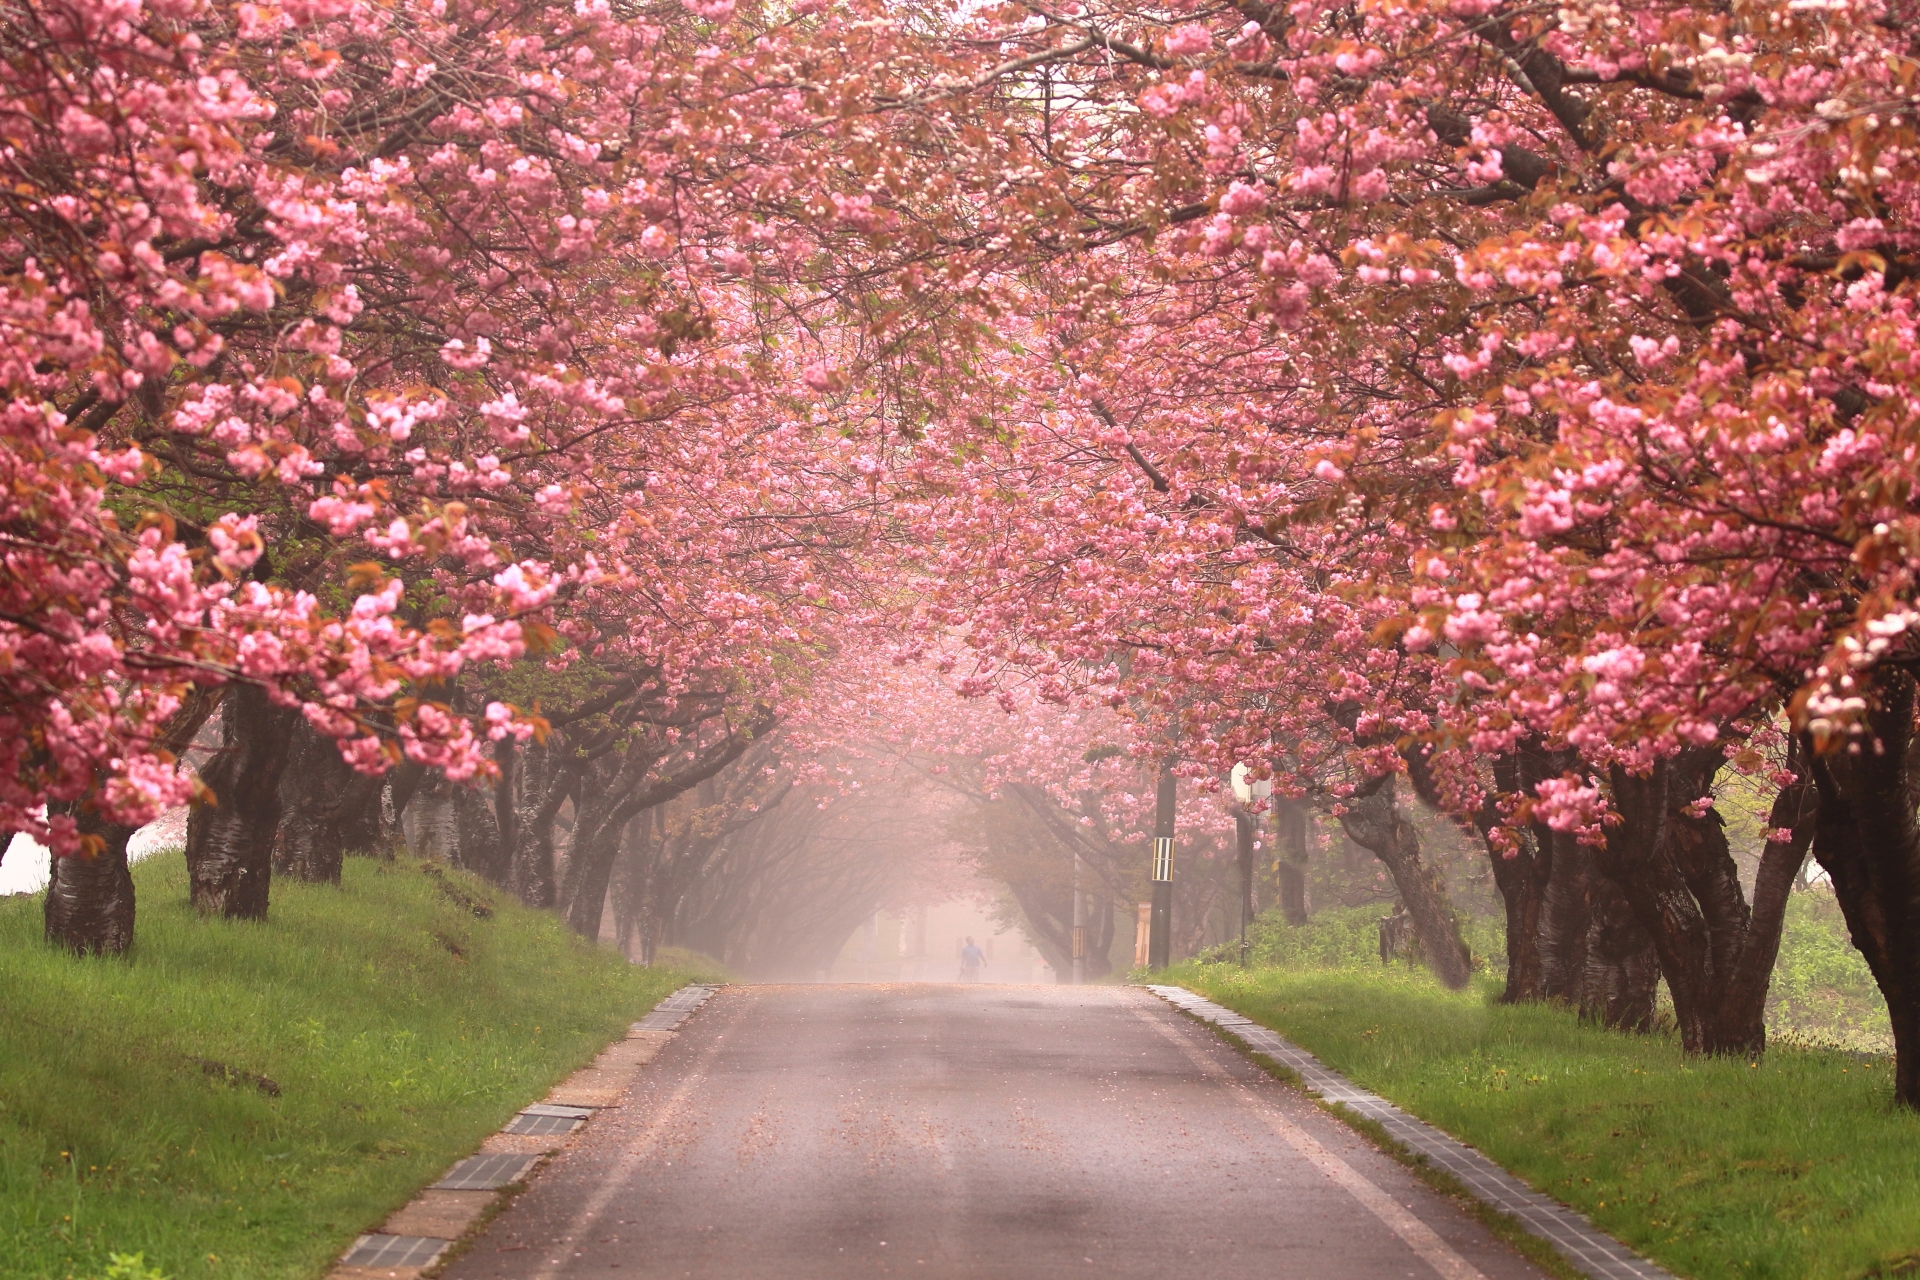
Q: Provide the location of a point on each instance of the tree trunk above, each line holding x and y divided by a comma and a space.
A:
1679, 877
1290, 859
596, 836
230, 841
367, 828
1099, 959
89, 903
1641, 857
1594, 955
1867, 839
89, 907
1619, 975
531, 874
631, 872
1566, 918
480, 848
589, 872
1743, 1003
1521, 878
431, 821
1049, 928
506, 793
1524, 876
402, 783
542, 784
1375, 822
323, 806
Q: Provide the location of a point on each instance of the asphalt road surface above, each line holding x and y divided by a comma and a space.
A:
970, 1131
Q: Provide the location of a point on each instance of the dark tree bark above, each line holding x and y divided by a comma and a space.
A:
1679, 877
526, 779
324, 808
367, 829
89, 907
543, 785
1100, 926
90, 899
1594, 955
606, 786
1572, 936
1566, 914
1523, 875
674, 859
1642, 856
506, 758
1049, 914
1619, 974
1290, 860
1375, 822
480, 848
1868, 840
230, 841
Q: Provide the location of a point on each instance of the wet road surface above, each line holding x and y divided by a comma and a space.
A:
970, 1131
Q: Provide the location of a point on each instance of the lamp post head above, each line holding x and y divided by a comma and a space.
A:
1247, 792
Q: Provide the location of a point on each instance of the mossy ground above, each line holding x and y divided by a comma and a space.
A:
397, 1027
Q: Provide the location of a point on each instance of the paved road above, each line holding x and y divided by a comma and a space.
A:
970, 1131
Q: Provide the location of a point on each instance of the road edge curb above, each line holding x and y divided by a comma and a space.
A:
416, 1240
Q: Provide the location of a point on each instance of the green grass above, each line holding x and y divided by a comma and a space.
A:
1822, 989
1799, 1166
398, 1027
1349, 938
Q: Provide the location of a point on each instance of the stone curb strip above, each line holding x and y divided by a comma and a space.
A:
415, 1237
1588, 1249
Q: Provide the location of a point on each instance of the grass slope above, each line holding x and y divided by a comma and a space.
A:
398, 1027
1799, 1166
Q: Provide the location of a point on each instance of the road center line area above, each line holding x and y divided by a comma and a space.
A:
970, 1130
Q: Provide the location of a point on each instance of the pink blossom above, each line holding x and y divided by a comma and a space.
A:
1189, 39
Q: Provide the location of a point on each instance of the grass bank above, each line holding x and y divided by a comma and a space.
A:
1796, 1167
239, 1100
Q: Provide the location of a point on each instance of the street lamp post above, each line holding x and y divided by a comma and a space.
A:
1243, 824
1160, 928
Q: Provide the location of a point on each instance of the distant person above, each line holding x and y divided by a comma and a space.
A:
972, 961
